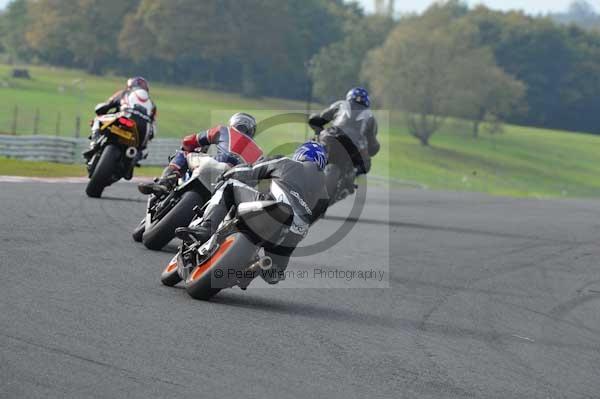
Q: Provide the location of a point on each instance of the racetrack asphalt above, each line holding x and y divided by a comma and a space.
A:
488, 298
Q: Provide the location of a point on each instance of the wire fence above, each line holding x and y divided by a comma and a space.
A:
18, 120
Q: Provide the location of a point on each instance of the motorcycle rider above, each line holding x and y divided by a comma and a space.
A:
134, 100
298, 182
234, 143
351, 138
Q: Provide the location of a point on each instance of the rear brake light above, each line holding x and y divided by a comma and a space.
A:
126, 122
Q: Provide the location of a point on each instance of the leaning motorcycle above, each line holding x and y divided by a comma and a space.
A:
112, 154
232, 257
166, 212
340, 178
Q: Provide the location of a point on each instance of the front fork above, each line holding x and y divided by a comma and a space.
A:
93, 161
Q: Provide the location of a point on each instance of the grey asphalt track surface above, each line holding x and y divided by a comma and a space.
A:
488, 298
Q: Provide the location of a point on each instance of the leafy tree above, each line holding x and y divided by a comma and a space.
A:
483, 91
79, 32
13, 25
260, 48
167, 29
553, 61
337, 67
580, 13
47, 36
418, 69
98, 26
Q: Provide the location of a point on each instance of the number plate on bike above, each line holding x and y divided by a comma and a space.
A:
121, 133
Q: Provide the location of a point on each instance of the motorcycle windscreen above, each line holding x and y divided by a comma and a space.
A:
244, 146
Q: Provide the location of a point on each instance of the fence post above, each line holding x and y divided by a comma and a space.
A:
58, 123
15, 119
36, 122
77, 126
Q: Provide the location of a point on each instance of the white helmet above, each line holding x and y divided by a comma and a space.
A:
244, 123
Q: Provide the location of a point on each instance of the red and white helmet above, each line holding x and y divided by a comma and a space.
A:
138, 82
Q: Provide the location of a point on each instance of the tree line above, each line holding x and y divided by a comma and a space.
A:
581, 13
474, 63
450, 61
257, 47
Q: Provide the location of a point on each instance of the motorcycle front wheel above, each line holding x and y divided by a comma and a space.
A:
138, 233
170, 276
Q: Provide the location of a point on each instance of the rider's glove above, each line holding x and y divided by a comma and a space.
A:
189, 143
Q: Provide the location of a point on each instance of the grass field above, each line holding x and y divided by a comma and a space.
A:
13, 167
520, 162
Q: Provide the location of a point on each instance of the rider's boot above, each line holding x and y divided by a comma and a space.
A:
88, 153
213, 216
162, 185
140, 156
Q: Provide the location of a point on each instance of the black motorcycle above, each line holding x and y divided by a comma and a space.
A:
112, 154
166, 212
340, 177
232, 256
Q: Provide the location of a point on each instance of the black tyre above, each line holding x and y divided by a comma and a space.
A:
104, 171
162, 231
333, 174
209, 278
170, 276
138, 233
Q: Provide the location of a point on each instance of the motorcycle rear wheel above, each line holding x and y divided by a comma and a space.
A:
162, 231
333, 175
104, 171
219, 272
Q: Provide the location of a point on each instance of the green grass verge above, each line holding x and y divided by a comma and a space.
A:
520, 162
13, 167
73, 93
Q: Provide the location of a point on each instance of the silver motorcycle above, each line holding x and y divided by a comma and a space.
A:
232, 257
166, 212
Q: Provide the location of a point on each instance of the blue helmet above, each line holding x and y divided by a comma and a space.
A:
360, 96
312, 152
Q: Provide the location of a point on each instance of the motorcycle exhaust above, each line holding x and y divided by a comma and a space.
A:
264, 264
131, 152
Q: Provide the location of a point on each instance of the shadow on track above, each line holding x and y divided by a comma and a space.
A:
119, 199
417, 326
171, 249
432, 227
168, 249
254, 302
